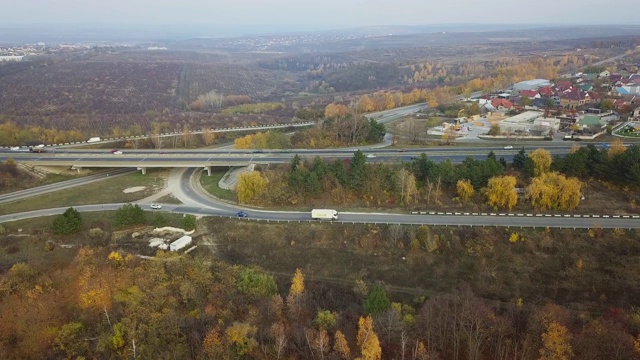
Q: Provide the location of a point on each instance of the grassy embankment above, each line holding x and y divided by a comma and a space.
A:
102, 192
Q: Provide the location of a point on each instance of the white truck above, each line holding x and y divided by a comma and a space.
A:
93, 139
324, 214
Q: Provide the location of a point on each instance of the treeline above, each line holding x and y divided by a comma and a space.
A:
546, 183
346, 130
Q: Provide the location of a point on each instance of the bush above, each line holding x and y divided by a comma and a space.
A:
96, 233
129, 214
188, 222
68, 223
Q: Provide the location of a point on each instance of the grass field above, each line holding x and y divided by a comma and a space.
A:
253, 108
107, 191
210, 184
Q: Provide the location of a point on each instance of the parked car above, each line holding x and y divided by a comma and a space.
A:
242, 214
156, 206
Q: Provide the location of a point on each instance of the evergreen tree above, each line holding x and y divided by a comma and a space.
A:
67, 223
519, 159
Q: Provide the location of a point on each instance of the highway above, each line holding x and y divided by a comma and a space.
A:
197, 202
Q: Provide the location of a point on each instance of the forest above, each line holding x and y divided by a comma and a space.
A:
319, 291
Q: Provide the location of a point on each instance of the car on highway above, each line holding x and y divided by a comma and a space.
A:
156, 206
508, 147
258, 151
370, 156
402, 150
14, 148
242, 214
116, 152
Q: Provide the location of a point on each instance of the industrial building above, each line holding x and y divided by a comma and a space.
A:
534, 84
530, 123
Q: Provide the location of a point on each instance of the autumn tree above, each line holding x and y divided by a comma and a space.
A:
501, 192
556, 343
554, 191
464, 189
368, 340
406, 184
365, 104
541, 161
341, 346
297, 288
334, 110
240, 338
250, 186
617, 147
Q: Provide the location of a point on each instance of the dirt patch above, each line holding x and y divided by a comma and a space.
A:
133, 189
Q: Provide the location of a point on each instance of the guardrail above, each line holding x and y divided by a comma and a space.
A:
524, 215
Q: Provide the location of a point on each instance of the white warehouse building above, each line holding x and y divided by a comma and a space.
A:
534, 84
180, 243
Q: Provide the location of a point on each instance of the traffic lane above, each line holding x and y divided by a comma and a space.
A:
488, 220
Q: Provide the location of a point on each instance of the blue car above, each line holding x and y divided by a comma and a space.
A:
241, 214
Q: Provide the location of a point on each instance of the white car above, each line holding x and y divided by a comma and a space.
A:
370, 156
14, 148
116, 152
508, 147
156, 206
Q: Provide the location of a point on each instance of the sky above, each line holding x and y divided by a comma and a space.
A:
313, 14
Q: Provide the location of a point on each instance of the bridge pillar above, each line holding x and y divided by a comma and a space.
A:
144, 170
79, 168
208, 170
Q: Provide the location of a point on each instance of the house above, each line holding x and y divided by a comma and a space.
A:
531, 94
546, 91
591, 121
615, 78
573, 99
564, 85
594, 96
586, 87
485, 106
501, 104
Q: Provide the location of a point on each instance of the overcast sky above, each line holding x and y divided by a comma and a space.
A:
314, 13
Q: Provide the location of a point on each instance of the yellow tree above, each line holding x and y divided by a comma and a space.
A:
554, 191
368, 340
365, 104
501, 192
617, 147
297, 287
341, 346
541, 161
465, 190
240, 338
335, 110
250, 186
556, 343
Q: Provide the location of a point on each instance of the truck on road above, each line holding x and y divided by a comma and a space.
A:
324, 214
